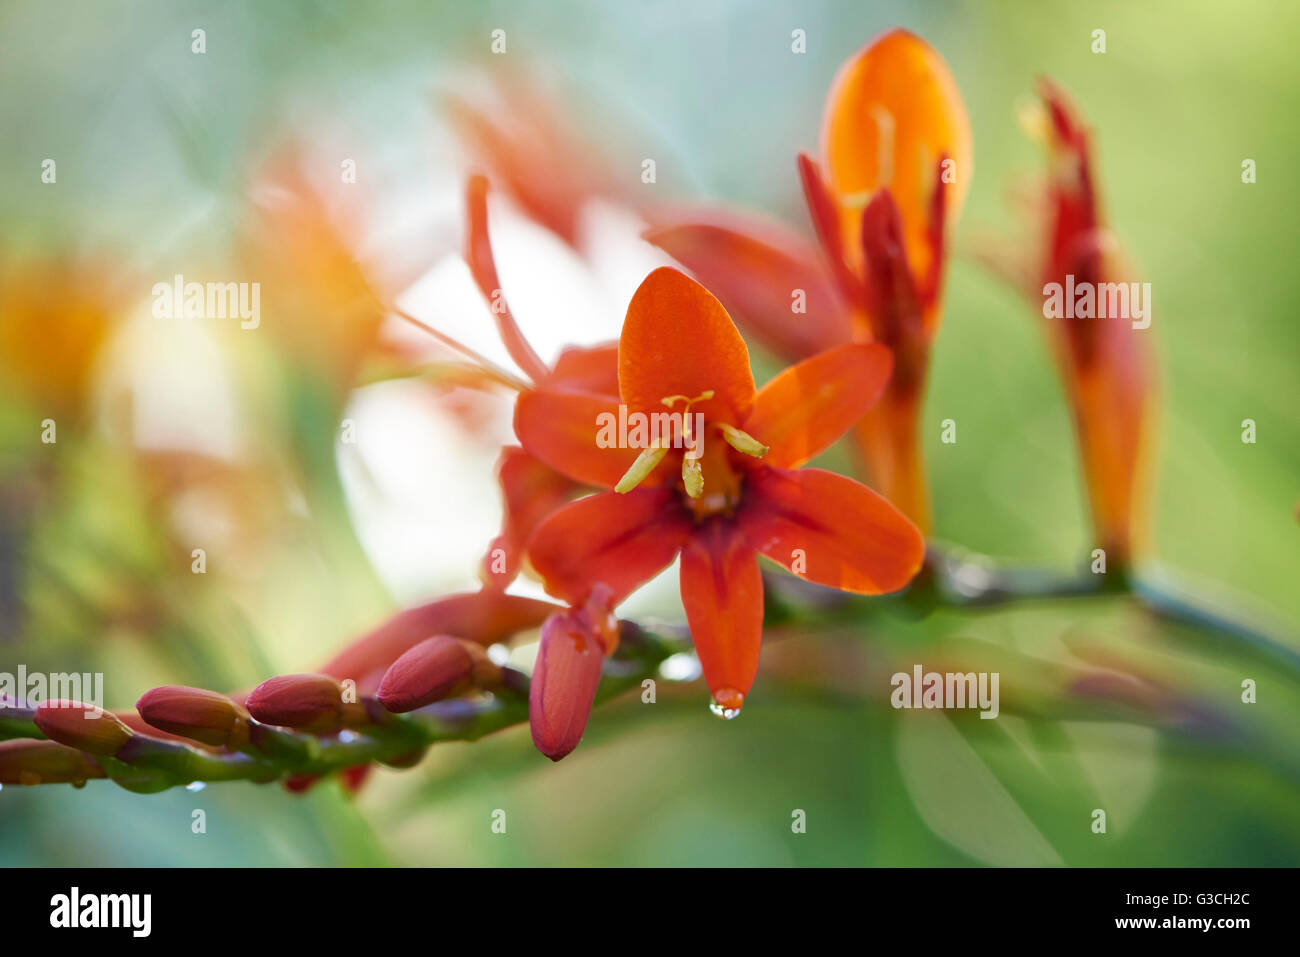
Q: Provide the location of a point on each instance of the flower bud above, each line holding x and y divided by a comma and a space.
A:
82, 726
564, 683
310, 702
45, 762
205, 716
434, 669
300, 783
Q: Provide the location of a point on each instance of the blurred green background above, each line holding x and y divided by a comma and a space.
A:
154, 148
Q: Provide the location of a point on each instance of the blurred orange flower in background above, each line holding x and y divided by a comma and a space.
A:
58, 316
1105, 363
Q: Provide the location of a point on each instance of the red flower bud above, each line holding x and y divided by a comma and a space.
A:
300, 783
434, 669
564, 683
205, 716
82, 726
45, 762
352, 778
311, 702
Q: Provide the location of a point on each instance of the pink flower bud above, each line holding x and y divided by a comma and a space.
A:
430, 671
196, 713
82, 726
310, 702
44, 762
564, 683
434, 669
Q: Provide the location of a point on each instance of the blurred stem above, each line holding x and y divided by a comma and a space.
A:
1226, 631
956, 578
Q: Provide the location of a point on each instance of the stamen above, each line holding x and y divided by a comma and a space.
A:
743, 441
487, 366
692, 477
645, 464
669, 400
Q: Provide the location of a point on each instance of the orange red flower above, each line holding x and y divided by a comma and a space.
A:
896, 148
742, 496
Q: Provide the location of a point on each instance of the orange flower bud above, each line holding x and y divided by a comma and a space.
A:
205, 716
434, 669
311, 702
82, 726
564, 683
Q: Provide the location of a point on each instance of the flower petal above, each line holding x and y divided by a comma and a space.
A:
892, 302
678, 340
825, 215
591, 369
830, 530
486, 617
561, 429
621, 540
755, 267
530, 490
722, 591
892, 112
483, 267
808, 406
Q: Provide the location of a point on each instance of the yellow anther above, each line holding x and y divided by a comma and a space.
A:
743, 441
670, 400
692, 477
645, 464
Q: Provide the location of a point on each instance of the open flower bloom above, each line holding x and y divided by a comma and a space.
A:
896, 145
1104, 362
725, 488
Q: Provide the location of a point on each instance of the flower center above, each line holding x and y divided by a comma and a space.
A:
721, 491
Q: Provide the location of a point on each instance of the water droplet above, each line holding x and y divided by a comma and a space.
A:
79, 784
726, 714
347, 737
726, 703
498, 654
195, 786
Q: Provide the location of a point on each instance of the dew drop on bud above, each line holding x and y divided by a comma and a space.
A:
724, 713
726, 703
